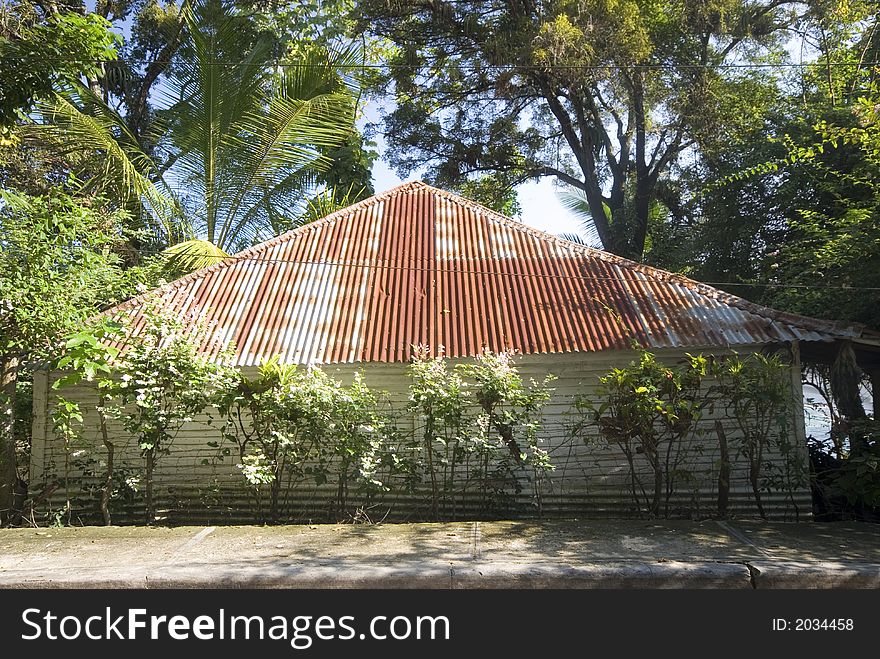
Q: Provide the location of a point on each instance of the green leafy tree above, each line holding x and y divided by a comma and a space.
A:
87, 356
242, 142
832, 240
785, 213
802, 233
67, 422
603, 95
477, 423
757, 395
509, 422
493, 191
35, 56
439, 396
289, 424
57, 267
278, 422
649, 411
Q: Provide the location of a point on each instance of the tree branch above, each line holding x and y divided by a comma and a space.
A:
613, 164
656, 150
546, 170
672, 150
609, 109
584, 155
154, 70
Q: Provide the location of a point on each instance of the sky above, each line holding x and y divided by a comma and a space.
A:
540, 206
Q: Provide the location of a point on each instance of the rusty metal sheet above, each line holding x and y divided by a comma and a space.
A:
417, 265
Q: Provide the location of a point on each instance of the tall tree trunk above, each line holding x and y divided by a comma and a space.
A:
632, 235
138, 110
641, 214
846, 379
108, 478
150, 504
8, 467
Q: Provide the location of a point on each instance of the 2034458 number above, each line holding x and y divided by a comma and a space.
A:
813, 624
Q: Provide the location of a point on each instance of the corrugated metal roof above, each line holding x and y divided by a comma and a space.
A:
417, 265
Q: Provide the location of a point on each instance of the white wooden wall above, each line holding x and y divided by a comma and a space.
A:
588, 480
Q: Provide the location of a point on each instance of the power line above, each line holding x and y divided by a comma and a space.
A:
510, 67
410, 268
257, 260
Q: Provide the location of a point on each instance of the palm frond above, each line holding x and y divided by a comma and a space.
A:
575, 238
328, 201
76, 122
275, 211
207, 96
286, 139
191, 255
243, 134
575, 201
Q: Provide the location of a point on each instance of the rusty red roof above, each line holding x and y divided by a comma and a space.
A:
418, 265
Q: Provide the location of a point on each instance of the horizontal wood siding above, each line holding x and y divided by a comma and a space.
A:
589, 480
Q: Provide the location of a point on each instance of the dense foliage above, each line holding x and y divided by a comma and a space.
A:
163, 383
649, 411
34, 57
290, 424
605, 97
288, 430
58, 265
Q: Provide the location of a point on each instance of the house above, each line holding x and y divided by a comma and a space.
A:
419, 266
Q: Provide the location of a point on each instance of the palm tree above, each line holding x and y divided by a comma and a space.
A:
78, 123
246, 140
575, 201
242, 137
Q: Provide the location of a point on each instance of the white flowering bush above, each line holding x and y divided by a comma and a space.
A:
290, 424
509, 422
439, 398
480, 425
256, 469
359, 441
476, 438
163, 382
